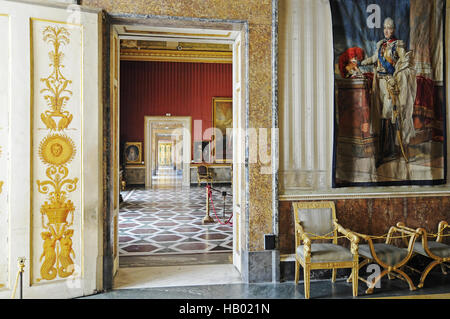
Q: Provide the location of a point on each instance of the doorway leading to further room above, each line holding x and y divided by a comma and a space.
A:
174, 91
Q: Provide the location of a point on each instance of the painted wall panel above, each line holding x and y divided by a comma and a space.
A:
56, 75
43, 130
4, 147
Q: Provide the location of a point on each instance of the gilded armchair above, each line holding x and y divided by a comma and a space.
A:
204, 174
438, 251
389, 256
317, 221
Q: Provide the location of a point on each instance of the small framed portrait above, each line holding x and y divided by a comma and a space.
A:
133, 152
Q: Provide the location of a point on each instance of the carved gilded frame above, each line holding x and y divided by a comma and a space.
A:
136, 147
221, 117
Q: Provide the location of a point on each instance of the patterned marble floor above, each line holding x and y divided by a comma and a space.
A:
166, 220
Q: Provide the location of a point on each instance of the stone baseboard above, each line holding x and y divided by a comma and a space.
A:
261, 266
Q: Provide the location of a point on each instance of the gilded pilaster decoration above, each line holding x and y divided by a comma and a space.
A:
1, 182
1, 185
5, 140
56, 84
56, 150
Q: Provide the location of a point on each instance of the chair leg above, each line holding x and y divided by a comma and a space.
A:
443, 266
297, 271
306, 276
333, 275
404, 275
426, 271
355, 281
377, 279
362, 264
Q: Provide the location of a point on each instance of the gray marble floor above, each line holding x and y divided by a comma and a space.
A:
437, 287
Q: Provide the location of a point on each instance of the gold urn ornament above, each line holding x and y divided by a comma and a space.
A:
57, 212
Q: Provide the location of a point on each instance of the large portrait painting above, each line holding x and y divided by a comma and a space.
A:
390, 108
223, 121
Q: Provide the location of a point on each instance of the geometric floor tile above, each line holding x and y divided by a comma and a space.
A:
169, 221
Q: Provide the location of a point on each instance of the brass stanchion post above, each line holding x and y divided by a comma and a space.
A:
21, 264
207, 218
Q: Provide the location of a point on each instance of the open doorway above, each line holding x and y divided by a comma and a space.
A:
162, 77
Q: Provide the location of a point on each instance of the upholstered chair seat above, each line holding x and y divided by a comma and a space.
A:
439, 249
389, 254
326, 253
392, 257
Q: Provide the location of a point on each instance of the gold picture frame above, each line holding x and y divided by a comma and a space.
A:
222, 119
133, 153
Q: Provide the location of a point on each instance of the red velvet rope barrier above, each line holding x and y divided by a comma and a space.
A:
228, 222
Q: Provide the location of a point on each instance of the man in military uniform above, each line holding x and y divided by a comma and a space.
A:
394, 91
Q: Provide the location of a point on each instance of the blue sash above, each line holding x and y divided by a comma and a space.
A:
386, 65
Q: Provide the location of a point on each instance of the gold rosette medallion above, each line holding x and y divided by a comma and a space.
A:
57, 150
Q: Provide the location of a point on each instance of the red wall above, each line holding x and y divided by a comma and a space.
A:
157, 88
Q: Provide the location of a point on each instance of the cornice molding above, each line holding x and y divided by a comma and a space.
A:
176, 56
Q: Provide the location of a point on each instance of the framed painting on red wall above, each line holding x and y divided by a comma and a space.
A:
133, 153
222, 112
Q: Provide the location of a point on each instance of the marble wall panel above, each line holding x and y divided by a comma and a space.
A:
353, 219
385, 213
428, 212
286, 228
373, 216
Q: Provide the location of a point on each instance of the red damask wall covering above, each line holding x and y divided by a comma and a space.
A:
178, 88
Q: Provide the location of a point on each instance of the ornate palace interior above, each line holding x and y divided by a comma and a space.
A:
110, 114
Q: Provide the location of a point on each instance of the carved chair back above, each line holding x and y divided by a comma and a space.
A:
202, 170
317, 219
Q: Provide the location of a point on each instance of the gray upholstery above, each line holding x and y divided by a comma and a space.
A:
326, 253
389, 254
317, 221
439, 249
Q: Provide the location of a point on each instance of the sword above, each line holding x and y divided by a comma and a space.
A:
392, 92
399, 134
